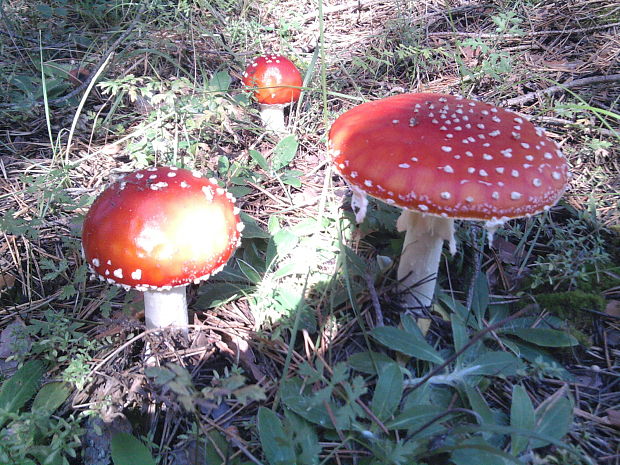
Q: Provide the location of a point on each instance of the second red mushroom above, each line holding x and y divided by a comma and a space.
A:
276, 82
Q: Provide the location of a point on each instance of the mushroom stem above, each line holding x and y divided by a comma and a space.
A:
419, 261
166, 308
272, 117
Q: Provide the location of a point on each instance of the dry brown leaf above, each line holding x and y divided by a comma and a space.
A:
613, 308
7, 281
613, 416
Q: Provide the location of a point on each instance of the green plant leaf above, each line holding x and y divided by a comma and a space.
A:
415, 417
521, 417
249, 272
220, 81
276, 444
259, 159
480, 299
553, 418
20, 387
252, 230
305, 439
284, 152
479, 405
51, 396
497, 364
212, 294
478, 451
388, 392
369, 362
544, 337
459, 336
407, 343
129, 450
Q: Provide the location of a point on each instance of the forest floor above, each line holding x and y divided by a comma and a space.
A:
300, 350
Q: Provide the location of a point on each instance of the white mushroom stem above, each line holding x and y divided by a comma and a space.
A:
419, 261
166, 308
272, 117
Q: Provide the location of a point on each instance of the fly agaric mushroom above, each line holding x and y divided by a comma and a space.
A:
158, 230
276, 82
441, 157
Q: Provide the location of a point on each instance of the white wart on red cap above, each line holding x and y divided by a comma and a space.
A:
448, 156
158, 228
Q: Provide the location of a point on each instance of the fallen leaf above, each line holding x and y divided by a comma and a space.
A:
613, 308
13, 341
7, 281
613, 416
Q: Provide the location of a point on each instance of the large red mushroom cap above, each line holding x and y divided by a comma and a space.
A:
159, 228
448, 156
276, 80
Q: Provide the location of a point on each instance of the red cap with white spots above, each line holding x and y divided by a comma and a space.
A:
159, 228
270, 75
448, 156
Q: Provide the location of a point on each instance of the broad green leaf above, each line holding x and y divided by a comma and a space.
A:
480, 300
521, 417
415, 417
553, 418
129, 450
388, 392
249, 272
289, 268
407, 343
302, 404
305, 439
220, 81
535, 354
51, 396
215, 447
275, 443
259, 159
411, 326
292, 178
369, 362
455, 306
310, 407
251, 229
497, 364
479, 452
479, 405
19, 388
285, 241
212, 294
284, 152
459, 336
544, 337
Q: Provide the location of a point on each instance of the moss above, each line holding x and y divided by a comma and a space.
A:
569, 306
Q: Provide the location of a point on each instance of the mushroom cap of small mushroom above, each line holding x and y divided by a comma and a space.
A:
275, 79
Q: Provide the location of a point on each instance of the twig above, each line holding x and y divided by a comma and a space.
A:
356, 5
374, 298
581, 30
560, 88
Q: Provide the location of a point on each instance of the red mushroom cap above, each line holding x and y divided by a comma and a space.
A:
449, 156
161, 227
271, 74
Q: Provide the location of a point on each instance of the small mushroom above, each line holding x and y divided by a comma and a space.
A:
157, 230
440, 158
276, 83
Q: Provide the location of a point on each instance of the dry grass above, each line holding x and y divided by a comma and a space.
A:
370, 49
